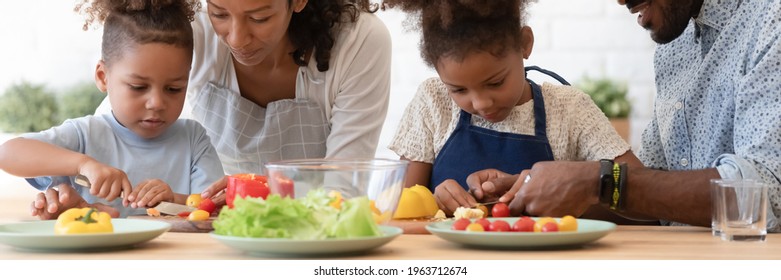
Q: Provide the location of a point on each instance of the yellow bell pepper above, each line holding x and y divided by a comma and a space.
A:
83, 220
416, 202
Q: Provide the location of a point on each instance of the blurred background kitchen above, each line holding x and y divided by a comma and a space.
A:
48, 60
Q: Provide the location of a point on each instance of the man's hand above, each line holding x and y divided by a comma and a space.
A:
490, 184
556, 188
49, 204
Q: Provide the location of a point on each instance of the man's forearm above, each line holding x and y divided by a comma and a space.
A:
680, 196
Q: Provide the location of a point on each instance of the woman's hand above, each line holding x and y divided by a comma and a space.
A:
216, 191
150, 192
450, 195
51, 203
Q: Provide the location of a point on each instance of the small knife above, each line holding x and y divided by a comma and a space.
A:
169, 208
485, 203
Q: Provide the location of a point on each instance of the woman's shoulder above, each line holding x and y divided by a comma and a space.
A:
367, 33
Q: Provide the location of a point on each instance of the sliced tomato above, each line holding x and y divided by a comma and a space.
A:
246, 184
207, 205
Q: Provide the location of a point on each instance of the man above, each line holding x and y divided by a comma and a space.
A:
717, 114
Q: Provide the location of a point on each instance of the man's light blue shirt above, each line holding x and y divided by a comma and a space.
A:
718, 100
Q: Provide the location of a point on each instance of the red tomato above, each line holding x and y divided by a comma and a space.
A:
500, 210
483, 222
461, 224
524, 224
207, 205
499, 225
184, 214
550, 227
246, 185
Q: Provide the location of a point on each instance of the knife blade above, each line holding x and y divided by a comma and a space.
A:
485, 203
169, 208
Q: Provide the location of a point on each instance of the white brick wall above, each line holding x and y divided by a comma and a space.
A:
572, 37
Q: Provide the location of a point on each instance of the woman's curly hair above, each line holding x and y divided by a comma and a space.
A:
130, 22
318, 24
455, 28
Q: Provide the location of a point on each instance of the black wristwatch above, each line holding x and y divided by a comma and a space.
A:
606, 181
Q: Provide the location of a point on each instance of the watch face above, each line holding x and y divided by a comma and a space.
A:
606, 181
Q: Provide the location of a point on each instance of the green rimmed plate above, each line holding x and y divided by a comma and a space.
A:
290, 247
588, 231
39, 235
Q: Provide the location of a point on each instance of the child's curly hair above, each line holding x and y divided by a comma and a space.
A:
130, 22
455, 28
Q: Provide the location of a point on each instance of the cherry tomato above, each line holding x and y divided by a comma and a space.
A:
568, 223
550, 227
207, 205
541, 222
461, 224
484, 209
499, 225
483, 222
198, 215
245, 185
475, 227
194, 200
500, 210
183, 214
524, 224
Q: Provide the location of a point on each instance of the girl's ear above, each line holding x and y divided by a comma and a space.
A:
101, 77
527, 41
299, 5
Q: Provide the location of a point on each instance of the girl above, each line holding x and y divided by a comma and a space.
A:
145, 62
482, 112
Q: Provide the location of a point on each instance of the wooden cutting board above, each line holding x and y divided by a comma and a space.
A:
179, 224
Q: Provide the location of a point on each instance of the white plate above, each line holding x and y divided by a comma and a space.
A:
282, 246
588, 231
39, 235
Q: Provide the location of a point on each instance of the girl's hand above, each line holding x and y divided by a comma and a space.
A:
150, 192
105, 181
450, 195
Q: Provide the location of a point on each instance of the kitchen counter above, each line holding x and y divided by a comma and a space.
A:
627, 242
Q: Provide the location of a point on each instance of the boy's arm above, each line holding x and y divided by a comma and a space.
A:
31, 158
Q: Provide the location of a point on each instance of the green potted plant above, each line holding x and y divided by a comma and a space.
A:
610, 97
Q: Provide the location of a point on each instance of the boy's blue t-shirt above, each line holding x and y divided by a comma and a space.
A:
183, 157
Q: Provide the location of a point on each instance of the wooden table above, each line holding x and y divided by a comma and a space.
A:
627, 242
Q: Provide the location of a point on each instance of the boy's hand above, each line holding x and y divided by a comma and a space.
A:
150, 192
106, 182
48, 205
450, 195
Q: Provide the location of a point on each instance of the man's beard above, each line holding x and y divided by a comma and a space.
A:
675, 18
